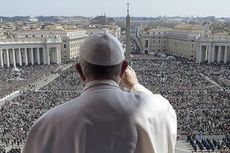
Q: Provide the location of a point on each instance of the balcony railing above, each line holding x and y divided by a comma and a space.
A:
30, 40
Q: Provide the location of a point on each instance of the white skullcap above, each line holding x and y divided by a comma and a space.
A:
103, 49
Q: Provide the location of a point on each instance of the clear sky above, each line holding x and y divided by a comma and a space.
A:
148, 8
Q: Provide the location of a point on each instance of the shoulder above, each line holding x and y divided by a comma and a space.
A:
51, 125
58, 114
154, 104
152, 99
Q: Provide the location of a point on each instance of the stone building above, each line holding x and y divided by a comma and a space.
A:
189, 41
213, 49
71, 39
154, 40
25, 51
45, 46
40, 47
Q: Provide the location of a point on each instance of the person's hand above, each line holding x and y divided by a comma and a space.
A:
129, 78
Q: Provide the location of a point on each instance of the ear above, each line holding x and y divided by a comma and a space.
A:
123, 68
78, 67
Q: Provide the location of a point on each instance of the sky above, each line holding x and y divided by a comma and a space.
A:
113, 8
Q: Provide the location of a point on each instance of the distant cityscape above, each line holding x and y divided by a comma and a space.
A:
80, 19
55, 39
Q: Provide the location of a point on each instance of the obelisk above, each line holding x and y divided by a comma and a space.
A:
128, 49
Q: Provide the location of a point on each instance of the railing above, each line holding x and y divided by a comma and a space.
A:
215, 38
30, 40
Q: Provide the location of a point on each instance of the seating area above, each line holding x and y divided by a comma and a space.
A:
205, 144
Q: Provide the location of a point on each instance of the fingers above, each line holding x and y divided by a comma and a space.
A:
129, 78
129, 67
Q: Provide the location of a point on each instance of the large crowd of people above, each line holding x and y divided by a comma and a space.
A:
200, 94
201, 99
12, 79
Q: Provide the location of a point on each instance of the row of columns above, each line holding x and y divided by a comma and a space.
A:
25, 56
213, 53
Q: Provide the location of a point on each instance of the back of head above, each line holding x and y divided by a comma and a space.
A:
101, 55
102, 49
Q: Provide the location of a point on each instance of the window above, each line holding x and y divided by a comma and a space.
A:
146, 43
64, 45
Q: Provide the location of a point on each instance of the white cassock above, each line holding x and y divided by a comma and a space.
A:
105, 119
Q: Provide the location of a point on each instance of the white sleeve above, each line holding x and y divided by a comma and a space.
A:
140, 88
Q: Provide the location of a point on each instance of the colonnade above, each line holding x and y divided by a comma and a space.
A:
25, 56
213, 53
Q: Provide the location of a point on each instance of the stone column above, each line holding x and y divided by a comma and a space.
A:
211, 54
198, 58
48, 55
1, 58
226, 54
25, 56
44, 50
58, 55
7, 58
32, 56
14, 60
219, 55
203, 53
20, 56
38, 56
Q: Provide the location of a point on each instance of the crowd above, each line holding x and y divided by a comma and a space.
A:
18, 115
200, 94
201, 105
202, 144
13, 79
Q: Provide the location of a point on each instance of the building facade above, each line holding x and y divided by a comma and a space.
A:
214, 49
70, 40
30, 51
189, 42
154, 40
45, 46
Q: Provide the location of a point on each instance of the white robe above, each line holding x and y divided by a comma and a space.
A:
105, 119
